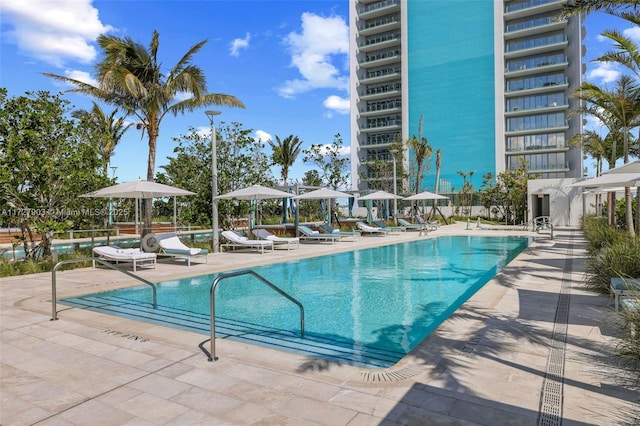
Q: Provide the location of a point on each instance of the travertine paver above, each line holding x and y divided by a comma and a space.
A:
483, 366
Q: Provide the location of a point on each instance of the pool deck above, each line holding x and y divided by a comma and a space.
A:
531, 347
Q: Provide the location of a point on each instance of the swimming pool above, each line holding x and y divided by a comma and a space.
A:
367, 307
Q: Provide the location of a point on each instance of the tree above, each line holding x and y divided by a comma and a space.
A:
333, 164
507, 193
284, 154
45, 164
241, 163
422, 152
619, 8
106, 129
619, 111
130, 77
466, 194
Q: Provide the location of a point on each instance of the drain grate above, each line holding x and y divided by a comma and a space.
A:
390, 376
552, 394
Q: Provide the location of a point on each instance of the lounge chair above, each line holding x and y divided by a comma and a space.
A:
620, 287
237, 241
170, 245
383, 225
310, 235
372, 230
289, 242
412, 226
343, 234
429, 224
126, 255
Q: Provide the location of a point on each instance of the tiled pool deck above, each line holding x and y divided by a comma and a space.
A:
486, 365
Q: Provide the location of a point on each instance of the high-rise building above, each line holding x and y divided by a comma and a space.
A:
491, 79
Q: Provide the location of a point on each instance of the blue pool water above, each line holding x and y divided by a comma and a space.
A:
367, 307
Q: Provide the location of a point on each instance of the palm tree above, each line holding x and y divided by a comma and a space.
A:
130, 77
284, 153
619, 8
106, 128
619, 111
422, 152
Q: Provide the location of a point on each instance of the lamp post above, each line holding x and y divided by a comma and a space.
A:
393, 153
214, 181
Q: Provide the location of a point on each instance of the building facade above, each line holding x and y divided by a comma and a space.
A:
490, 80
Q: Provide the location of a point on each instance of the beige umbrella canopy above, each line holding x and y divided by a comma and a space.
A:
140, 189
632, 167
254, 193
426, 195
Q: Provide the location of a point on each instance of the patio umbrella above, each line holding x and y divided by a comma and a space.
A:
254, 193
426, 195
380, 195
612, 179
632, 167
140, 189
320, 194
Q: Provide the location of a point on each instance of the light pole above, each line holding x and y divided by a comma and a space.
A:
214, 181
393, 153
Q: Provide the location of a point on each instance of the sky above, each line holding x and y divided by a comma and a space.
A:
286, 60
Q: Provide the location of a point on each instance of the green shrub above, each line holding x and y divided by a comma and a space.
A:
599, 234
617, 258
9, 268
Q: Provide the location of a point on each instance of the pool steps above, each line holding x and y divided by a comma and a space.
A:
314, 346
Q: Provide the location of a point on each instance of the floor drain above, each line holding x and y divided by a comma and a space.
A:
552, 394
390, 376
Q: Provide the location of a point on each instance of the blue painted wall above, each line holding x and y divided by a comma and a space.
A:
451, 82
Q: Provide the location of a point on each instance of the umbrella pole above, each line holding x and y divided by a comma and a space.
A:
136, 226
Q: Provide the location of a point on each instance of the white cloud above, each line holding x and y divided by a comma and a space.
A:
263, 136
53, 31
239, 43
82, 76
605, 72
313, 51
337, 104
633, 33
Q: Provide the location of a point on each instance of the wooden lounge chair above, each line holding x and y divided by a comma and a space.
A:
289, 242
170, 245
126, 255
237, 241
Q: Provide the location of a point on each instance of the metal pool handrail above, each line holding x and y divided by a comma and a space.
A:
54, 313
212, 307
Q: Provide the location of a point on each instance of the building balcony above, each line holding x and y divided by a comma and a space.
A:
538, 29
536, 50
381, 128
536, 149
382, 43
383, 111
534, 131
517, 111
380, 8
380, 59
546, 67
533, 7
379, 27
380, 78
547, 87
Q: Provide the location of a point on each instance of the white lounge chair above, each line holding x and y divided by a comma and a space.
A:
382, 225
372, 230
343, 234
170, 245
310, 235
289, 242
130, 255
237, 241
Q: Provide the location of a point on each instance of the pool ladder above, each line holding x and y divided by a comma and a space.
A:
211, 355
54, 312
